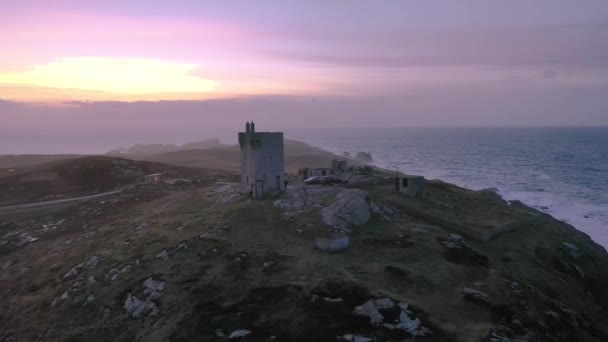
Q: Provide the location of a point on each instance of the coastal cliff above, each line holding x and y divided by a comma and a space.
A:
196, 260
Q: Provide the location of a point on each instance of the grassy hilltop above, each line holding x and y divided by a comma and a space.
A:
194, 260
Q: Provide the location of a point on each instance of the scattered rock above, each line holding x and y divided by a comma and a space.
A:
153, 288
333, 244
355, 338
136, 307
89, 263
239, 333
476, 296
374, 309
162, 254
370, 310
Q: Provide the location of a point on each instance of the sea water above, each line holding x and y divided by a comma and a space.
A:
560, 171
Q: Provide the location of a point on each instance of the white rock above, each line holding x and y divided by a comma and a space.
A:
349, 209
369, 309
239, 333
355, 338
152, 286
334, 244
90, 263
163, 254
136, 307
406, 323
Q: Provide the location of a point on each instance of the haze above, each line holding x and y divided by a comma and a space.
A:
77, 76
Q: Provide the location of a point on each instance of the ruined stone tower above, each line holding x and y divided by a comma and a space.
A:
262, 169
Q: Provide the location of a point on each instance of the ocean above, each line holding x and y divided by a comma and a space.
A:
560, 171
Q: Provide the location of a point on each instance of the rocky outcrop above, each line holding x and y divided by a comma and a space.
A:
364, 157
298, 198
351, 208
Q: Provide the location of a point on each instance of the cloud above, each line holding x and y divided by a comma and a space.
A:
577, 45
133, 78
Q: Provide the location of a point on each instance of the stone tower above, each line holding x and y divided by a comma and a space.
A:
262, 168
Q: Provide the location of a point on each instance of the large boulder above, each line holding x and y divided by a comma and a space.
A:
351, 208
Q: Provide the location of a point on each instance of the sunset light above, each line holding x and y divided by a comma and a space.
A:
130, 78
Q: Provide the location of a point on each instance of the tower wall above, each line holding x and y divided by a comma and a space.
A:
262, 163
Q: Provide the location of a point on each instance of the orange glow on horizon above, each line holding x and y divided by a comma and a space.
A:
107, 78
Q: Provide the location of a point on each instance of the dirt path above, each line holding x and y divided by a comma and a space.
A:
34, 206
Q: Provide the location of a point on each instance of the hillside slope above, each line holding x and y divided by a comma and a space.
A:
79, 176
25, 160
205, 263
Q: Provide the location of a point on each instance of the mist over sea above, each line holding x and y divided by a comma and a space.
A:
561, 171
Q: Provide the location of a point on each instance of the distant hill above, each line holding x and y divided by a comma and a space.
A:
297, 156
24, 160
147, 149
81, 176
209, 143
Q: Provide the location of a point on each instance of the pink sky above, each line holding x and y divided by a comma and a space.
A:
429, 62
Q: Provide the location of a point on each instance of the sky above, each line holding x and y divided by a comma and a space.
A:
73, 68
